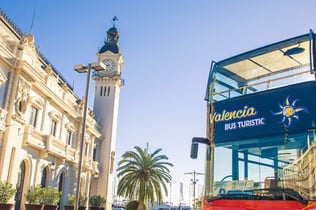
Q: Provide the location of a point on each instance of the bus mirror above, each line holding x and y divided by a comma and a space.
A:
194, 150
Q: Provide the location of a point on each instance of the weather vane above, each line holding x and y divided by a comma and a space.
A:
114, 19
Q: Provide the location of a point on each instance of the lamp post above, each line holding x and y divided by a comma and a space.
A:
194, 181
97, 66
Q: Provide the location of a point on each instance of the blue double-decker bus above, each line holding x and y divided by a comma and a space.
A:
262, 103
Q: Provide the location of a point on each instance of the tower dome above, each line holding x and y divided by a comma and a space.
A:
111, 43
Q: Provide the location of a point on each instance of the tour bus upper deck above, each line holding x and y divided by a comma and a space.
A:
283, 63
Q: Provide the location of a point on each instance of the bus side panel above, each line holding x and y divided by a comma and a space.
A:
232, 204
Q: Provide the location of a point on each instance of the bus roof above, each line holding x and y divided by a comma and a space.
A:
258, 69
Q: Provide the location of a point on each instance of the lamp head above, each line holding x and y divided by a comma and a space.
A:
80, 68
98, 66
294, 51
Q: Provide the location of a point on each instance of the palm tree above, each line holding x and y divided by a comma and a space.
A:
143, 176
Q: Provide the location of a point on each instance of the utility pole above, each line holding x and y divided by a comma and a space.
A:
194, 181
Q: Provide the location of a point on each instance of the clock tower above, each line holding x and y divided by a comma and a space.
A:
106, 102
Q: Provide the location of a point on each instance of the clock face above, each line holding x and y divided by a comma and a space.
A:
109, 64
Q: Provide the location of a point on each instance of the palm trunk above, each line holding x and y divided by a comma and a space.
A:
141, 198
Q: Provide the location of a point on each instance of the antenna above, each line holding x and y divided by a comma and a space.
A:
33, 17
147, 147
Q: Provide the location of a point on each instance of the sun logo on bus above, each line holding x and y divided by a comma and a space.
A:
290, 111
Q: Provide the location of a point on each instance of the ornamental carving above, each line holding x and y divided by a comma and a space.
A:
28, 39
23, 94
6, 42
3, 77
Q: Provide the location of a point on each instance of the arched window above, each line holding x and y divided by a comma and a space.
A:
69, 136
55, 119
53, 127
19, 186
69, 133
33, 116
61, 181
36, 106
61, 185
44, 177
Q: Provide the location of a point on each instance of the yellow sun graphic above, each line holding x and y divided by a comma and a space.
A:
290, 111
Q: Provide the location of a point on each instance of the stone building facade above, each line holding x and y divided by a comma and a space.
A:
41, 120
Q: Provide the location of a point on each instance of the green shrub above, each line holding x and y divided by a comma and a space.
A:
132, 205
51, 196
97, 201
72, 199
34, 195
83, 200
6, 191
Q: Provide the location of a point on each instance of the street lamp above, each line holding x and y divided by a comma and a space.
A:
97, 66
194, 181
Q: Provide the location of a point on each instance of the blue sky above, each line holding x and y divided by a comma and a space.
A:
168, 46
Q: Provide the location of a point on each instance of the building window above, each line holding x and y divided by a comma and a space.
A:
53, 128
94, 154
34, 112
33, 116
69, 136
86, 148
108, 91
101, 89
44, 177
20, 184
104, 91
55, 119
61, 182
